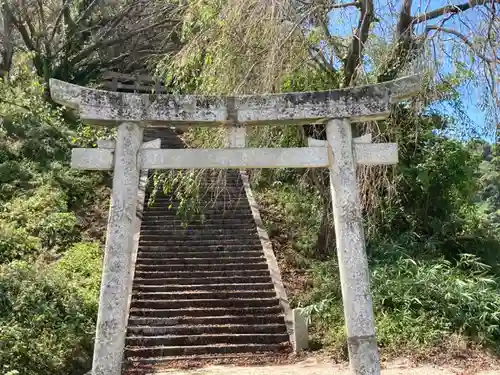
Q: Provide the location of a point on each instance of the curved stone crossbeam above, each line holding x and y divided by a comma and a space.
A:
356, 104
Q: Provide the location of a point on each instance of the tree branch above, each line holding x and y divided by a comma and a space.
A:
22, 30
356, 4
466, 41
28, 22
405, 19
114, 22
86, 12
8, 47
57, 23
450, 9
320, 60
353, 59
331, 39
109, 42
68, 20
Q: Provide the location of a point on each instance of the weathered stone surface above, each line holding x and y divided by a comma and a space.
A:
300, 330
404, 88
357, 104
115, 284
300, 157
235, 158
272, 262
311, 142
111, 143
92, 159
353, 263
106, 143
236, 137
376, 153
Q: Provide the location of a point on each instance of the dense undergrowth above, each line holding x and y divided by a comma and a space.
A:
433, 246
433, 243
50, 257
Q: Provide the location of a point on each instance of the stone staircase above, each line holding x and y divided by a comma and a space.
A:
202, 291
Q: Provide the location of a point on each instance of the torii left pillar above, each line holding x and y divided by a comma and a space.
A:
113, 300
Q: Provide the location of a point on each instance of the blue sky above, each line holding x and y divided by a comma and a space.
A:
342, 22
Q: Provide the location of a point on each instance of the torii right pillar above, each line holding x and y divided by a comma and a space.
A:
353, 263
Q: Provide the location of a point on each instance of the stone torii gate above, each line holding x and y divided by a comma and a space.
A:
340, 153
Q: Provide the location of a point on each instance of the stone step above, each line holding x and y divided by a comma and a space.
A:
202, 287
228, 190
262, 265
200, 303
191, 243
161, 261
188, 232
207, 339
177, 222
218, 180
139, 365
181, 281
231, 294
229, 205
204, 312
198, 274
172, 225
220, 176
200, 256
180, 237
208, 212
200, 231
163, 351
218, 188
196, 248
233, 201
164, 208
183, 330
207, 215
207, 320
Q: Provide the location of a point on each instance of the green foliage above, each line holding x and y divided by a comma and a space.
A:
38, 189
489, 193
35, 140
82, 265
17, 243
47, 310
292, 211
418, 304
47, 315
435, 182
434, 255
183, 186
213, 60
459, 297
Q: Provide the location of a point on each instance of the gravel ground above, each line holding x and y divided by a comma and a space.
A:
314, 367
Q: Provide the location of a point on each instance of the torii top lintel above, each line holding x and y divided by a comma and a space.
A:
356, 104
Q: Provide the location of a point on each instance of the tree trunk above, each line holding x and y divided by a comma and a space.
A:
325, 241
7, 50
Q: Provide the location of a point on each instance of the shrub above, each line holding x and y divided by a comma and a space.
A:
47, 315
42, 217
47, 311
58, 230
17, 243
418, 303
30, 211
460, 298
82, 264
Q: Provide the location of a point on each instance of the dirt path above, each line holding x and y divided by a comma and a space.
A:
315, 367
